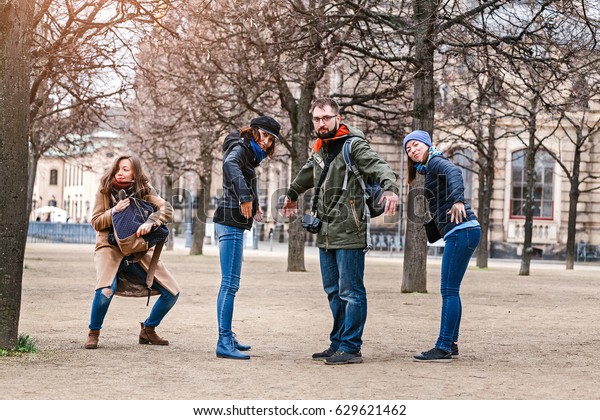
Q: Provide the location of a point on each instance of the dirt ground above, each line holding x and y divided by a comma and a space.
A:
533, 337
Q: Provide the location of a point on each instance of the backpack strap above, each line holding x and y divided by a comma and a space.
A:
351, 167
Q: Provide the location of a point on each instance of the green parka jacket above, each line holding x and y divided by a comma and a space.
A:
342, 212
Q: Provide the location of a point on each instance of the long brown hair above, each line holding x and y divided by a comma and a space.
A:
411, 171
140, 179
248, 133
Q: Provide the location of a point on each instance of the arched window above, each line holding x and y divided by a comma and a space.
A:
53, 177
543, 202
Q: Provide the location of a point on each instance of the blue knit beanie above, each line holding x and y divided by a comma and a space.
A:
418, 135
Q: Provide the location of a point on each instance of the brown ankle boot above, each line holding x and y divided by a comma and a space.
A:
92, 340
149, 336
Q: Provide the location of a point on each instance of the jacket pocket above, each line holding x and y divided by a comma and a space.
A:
353, 220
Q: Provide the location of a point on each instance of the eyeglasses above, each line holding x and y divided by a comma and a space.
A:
324, 118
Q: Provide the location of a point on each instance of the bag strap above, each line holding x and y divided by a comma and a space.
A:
320, 183
152, 268
351, 167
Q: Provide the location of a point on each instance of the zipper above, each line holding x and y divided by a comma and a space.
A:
354, 214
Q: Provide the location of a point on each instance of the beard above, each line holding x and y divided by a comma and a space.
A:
329, 134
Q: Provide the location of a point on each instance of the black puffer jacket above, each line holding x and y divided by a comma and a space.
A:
239, 182
443, 187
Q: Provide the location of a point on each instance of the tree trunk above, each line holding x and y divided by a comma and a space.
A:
486, 189
300, 138
199, 218
573, 201
530, 171
414, 277
167, 194
15, 21
33, 159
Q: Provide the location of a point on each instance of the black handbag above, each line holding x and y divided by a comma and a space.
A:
125, 226
431, 230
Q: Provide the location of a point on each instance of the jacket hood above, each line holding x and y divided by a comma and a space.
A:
354, 132
231, 139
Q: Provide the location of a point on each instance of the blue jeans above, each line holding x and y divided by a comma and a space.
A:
101, 302
342, 271
231, 248
458, 250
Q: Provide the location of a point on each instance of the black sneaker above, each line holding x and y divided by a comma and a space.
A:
343, 358
454, 350
434, 355
328, 352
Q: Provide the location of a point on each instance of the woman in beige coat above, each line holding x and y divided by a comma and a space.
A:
117, 274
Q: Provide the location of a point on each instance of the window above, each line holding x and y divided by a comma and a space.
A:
543, 203
463, 158
53, 177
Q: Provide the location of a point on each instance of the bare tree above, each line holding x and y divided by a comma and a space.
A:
580, 136
15, 62
170, 127
557, 47
471, 97
250, 60
81, 68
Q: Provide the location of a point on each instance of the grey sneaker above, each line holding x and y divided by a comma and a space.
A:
328, 352
434, 355
343, 358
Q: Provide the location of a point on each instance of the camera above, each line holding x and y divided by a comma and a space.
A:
311, 223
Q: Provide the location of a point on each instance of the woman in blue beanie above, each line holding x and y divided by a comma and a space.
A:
243, 151
457, 224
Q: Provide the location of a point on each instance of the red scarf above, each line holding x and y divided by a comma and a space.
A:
341, 132
121, 185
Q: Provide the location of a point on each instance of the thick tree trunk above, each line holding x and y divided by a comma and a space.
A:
15, 21
302, 123
414, 277
33, 160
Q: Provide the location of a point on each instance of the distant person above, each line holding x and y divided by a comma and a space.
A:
342, 238
457, 224
117, 274
243, 151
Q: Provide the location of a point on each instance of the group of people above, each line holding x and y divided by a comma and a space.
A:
341, 238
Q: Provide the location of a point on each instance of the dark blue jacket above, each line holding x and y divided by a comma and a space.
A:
239, 182
443, 187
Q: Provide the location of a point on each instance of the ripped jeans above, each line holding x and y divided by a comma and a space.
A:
103, 297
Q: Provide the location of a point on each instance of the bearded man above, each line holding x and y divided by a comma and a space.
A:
342, 237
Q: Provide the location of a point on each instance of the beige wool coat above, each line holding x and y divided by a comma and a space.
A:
108, 257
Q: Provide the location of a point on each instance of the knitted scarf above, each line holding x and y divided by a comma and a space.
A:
129, 188
421, 168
